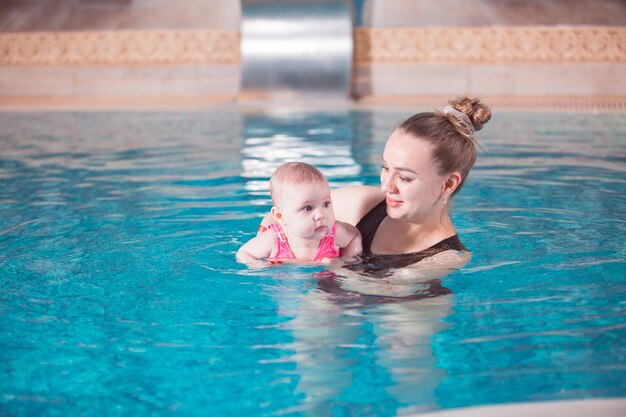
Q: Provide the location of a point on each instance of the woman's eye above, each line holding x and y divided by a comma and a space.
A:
405, 179
384, 168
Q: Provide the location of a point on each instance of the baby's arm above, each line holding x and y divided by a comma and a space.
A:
267, 220
256, 249
348, 238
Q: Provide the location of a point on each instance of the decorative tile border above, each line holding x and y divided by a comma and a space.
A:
119, 48
391, 45
491, 44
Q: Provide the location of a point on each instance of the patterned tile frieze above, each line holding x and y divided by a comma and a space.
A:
119, 48
480, 44
491, 44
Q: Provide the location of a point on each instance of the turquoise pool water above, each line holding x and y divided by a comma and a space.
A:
120, 294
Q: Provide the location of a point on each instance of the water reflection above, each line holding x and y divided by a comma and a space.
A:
278, 137
373, 353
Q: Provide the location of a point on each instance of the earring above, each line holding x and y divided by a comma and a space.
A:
445, 199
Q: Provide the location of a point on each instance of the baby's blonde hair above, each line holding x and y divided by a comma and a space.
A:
292, 173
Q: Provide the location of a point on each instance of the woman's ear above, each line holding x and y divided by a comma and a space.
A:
451, 183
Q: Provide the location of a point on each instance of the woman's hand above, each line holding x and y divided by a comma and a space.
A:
405, 281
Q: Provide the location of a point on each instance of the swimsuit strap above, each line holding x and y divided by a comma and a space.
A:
327, 247
283, 251
368, 225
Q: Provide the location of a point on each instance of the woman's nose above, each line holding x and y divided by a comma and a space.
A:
387, 184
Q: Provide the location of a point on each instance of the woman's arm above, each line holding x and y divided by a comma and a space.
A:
352, 203
405, 281
348, 239
349, 203
433, 267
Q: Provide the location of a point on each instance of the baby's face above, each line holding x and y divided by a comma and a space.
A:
307, 210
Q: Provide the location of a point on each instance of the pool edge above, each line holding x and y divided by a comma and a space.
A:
604, 407
591, 104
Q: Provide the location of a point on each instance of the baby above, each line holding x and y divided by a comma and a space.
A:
306, 229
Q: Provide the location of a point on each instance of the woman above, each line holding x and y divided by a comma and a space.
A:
408, 242
425, 163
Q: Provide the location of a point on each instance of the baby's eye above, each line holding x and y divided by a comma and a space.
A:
307, 208
326, 204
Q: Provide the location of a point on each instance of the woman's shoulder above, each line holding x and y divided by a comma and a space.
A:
345, 232
353, 202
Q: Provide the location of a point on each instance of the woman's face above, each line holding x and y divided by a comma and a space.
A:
410, 179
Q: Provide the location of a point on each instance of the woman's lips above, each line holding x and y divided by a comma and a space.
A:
393, 203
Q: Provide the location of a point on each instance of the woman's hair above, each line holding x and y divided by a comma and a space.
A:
450, 134
292, 173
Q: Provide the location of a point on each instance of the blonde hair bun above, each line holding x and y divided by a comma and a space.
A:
477, 111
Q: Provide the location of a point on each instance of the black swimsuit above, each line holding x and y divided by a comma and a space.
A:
372, 263
381, 266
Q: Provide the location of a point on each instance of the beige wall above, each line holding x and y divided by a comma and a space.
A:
97, 15
498, 61
469, 13
405, 48
119, 48
492, 47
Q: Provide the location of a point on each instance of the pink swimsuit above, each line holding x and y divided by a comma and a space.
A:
326, 249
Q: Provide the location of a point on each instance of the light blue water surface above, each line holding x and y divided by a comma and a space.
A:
120, 294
